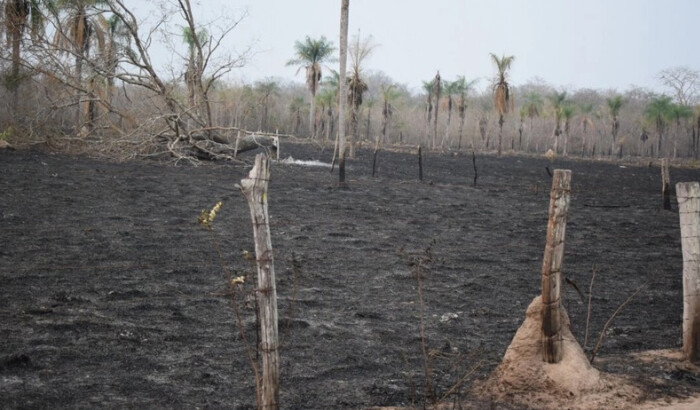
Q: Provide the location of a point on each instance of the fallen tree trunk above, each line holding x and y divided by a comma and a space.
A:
216, 147
253, 141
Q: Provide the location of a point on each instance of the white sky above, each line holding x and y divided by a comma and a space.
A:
602, 44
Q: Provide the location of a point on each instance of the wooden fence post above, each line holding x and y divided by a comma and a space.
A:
254, 189
235, 150
551, 266
665, 183
688, 194
277, 143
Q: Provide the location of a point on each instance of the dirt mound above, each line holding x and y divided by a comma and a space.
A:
523, 378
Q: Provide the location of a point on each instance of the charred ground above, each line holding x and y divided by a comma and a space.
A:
113, 296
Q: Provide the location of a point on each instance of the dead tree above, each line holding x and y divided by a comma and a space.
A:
254, 189
688, 194
551, 267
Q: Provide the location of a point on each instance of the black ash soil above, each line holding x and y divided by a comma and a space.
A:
113, 295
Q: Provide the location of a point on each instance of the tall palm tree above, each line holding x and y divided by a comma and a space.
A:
369, 104
679, 113
451, 89
428, 88
193, 71
78, 31
309, 55
389, 94
326, 98
17, 15
436, 91
567, 113
557, 101
586, 111
295, 108
117, 40
359, 50
266, 89
533, 108
523, 114
463, 86
658, 113
330, 91
502, 98
614, 105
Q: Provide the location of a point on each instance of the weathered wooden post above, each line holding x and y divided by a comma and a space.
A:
665, 183
688, 194
277, 143
254, 189
238, 138
551, 266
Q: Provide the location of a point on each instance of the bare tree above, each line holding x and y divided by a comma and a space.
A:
139, 71
684, 82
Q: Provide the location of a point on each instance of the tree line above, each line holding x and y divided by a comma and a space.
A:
83, 69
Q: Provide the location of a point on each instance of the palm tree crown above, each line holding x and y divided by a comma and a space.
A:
310, 54
659, 113
502, 98
501, 88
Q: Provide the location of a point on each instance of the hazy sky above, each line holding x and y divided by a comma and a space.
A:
599, 44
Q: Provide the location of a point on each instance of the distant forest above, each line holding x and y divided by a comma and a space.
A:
78, 75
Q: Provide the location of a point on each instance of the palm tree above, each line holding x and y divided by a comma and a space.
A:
193, 72
15, 20
359, 51
679, 113
523, 114
330, 91
266, 89
557, 102
326, 98
82, 29
17, 14
502, 98
436, 90
451, 88
463, 88
389, 94
586, 111
369, 104
428, 88
295, 108
533, 108
659, 113
310, 54
567, 112
117, 42
614, 105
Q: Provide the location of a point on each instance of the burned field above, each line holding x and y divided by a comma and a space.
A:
114, 296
